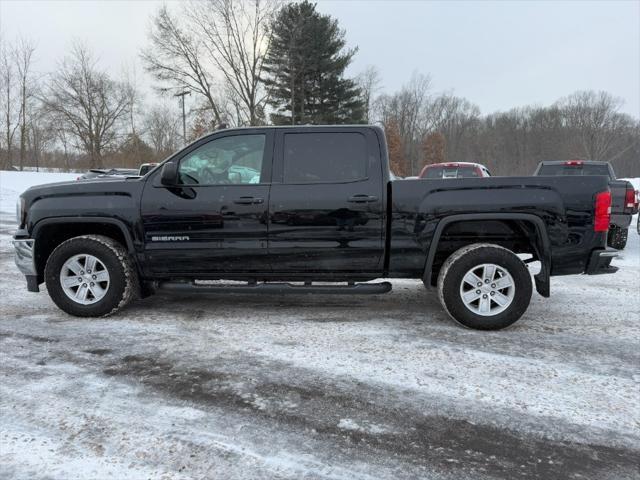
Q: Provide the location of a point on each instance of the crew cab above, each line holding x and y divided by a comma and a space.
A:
623, 195
283, 208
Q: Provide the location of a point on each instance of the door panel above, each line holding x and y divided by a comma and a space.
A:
327, 213
205, 229
215, 221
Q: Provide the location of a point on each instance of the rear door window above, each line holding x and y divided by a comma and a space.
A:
324, 157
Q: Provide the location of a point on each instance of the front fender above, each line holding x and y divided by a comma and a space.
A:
122, 226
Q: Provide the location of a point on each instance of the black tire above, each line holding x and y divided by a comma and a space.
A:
617, 237
123, 282
472, 256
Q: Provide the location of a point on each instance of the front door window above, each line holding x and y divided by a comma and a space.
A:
229, 160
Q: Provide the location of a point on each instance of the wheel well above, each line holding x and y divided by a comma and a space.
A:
519, 236
52, 235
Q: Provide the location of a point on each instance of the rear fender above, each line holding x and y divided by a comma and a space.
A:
541, 244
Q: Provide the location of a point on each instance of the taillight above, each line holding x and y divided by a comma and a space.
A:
630, 198
602, 212
574, 163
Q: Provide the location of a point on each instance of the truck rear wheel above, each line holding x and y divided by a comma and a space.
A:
617, 237
90, 276
484, 286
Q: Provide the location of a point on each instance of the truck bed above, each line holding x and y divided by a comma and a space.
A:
564, 204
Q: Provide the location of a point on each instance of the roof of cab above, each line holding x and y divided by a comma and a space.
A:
562, 162
290, 127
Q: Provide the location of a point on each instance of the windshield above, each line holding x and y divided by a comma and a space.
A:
560, 169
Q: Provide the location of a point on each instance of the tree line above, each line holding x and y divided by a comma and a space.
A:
424, 127
260, 62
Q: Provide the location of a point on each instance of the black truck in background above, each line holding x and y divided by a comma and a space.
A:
282, 208
623, 195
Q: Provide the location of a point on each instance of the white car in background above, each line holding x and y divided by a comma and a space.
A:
454, 170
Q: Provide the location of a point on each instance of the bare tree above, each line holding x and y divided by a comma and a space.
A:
132, 92
408, 110
23, 57
176, 59
237, 37
594, 117
62, 135
513, 142
433, 148
130, 82
397, 159
10, 107
90, 104
454, 118
41, 135
162, 130
370, 83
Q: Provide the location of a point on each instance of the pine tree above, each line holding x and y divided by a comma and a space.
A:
305, 70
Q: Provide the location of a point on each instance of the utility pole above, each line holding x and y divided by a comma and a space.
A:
184, 118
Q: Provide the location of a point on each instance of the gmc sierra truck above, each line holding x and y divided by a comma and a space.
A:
283, 208
623, 195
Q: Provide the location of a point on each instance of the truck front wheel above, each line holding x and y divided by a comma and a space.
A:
484, 286
90, 276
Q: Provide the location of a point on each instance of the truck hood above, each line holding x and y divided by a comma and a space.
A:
90, 190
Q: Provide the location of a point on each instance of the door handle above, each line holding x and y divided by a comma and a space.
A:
248, 200
362, 198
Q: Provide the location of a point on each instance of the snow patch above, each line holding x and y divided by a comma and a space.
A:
366, 427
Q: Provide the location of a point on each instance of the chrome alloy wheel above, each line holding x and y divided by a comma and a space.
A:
487, 289
84, 279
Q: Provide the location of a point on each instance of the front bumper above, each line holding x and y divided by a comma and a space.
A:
600, 262
26, 263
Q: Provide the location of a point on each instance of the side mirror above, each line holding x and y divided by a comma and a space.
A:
169, 174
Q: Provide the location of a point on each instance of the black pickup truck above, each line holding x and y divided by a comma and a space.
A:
623, 195
283, 208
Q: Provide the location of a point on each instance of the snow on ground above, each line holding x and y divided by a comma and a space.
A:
634, 181
386, 386
46, 170
12, 184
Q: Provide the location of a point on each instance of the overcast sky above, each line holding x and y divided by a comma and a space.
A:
497, 54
